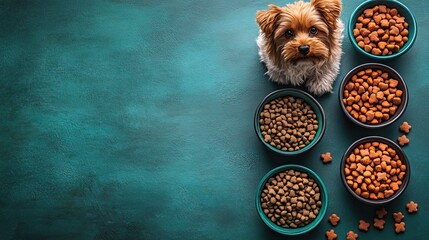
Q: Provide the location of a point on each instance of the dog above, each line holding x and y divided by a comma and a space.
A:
301, 43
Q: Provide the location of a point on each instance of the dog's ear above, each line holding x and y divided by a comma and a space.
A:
330, 10
267, 18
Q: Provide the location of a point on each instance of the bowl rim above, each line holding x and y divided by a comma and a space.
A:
300, 94
300, 230
380, 66
404, 160
365, 5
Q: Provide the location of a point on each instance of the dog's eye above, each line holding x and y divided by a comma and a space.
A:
290, 33
313, 31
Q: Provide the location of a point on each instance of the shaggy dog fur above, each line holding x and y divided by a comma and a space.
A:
301, 43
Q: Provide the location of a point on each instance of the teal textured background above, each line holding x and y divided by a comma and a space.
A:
133, 119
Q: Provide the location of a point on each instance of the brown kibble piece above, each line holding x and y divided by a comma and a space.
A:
352, 235
381, 213
412, 207
381, 176
379, 223
403, 140
363, 225
405, 127
399, 227
326, 157
398, 216
331, 235
334, 219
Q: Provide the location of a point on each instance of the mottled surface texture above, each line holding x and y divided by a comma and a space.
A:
132, 119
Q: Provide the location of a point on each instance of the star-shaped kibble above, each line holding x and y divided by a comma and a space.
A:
379, 223
405, 127
326, 157
352, 236
363, 225
398, 216
412, 207
403, 140
399, 227
331, 235
381, 213
334, 219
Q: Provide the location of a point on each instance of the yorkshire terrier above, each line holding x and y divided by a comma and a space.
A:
301, 43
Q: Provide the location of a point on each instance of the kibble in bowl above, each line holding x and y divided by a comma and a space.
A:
382, 29
373, 95
375, 170
289, 121
291, 199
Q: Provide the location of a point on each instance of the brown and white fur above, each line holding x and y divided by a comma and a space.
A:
294, 52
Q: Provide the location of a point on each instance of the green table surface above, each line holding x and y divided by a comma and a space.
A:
133, 119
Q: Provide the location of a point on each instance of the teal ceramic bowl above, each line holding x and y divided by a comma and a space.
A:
315, 105
402, 10
299, 230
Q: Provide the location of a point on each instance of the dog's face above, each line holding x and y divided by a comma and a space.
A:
299, 32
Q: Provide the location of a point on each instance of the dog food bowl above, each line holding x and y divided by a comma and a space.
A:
298, 230
402, 10
390, 174
392, 74
308, 99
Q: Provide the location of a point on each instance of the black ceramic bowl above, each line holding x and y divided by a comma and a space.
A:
402, 157
296, 93
392, 74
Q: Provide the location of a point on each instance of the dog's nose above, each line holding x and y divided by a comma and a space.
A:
304, 49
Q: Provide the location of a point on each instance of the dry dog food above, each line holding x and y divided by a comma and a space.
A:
379, 223
334, 219
291, 199
352, 236
288, 123
331, 235
397, 217
403, 140
363, 225
326, 157
374, 171
381, 30
412, 207
399, 227
372, 96
405, 127
381, 213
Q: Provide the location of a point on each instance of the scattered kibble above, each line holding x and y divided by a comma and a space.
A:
326, 157
412, 207
334, 219
405, 127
